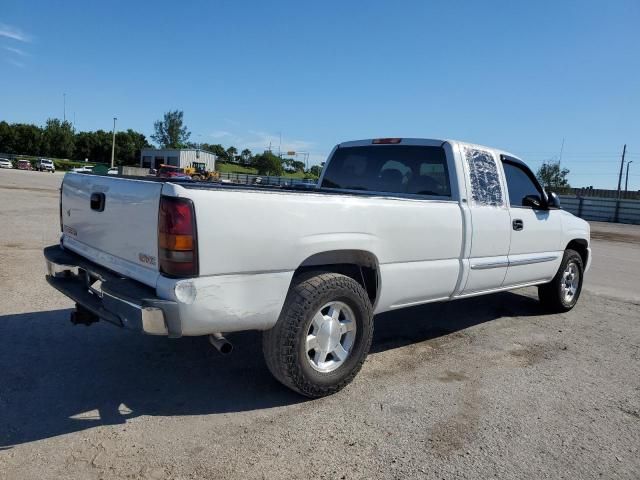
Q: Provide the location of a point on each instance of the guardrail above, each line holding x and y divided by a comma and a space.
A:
602, 209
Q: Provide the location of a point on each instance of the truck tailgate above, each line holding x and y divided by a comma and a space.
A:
113, 222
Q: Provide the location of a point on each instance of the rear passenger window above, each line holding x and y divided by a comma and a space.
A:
519, 183
406, 169
483, 175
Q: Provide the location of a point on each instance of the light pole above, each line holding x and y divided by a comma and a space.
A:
113, 142
626, 180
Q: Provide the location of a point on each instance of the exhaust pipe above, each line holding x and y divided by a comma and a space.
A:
223, 345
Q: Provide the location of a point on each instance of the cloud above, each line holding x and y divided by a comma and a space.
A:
14, 33
261, 141
258, 141
220, 134
15, 63
17, 51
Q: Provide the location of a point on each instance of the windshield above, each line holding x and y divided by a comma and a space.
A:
406, 169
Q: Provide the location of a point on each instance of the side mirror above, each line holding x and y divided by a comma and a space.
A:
533, 201
553, 200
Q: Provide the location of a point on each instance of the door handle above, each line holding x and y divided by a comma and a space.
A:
518, 224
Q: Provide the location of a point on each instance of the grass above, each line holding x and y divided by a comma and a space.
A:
224, 167
233, 168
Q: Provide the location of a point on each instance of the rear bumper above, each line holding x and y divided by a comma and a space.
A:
121, 301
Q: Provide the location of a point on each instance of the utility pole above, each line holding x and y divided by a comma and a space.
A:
113, 142
561, 150
626, 180
624, 151
64, 107
280, 147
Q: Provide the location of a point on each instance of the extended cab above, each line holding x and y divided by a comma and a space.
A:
392, 223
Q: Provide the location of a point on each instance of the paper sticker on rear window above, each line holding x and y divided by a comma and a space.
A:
485, 182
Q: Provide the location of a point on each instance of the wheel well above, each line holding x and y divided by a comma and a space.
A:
580, 245
360, 265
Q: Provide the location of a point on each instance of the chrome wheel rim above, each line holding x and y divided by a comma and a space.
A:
570, 282
330, 337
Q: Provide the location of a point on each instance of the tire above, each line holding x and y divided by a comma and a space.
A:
555, 296
286, 345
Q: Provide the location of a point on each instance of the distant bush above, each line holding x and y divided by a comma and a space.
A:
69, 164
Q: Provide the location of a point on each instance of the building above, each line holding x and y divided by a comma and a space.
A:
182, 157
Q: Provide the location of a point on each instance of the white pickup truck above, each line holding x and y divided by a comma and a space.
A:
392, 223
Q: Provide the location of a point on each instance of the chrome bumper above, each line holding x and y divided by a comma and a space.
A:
121, 301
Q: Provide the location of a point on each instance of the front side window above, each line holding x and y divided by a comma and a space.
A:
519, 183
406, 169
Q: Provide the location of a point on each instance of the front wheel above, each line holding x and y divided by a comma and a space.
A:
323, 334
561, 294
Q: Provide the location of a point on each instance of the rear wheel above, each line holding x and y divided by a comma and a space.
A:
561, 294
323, 335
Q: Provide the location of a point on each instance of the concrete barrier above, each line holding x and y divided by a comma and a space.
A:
134, 171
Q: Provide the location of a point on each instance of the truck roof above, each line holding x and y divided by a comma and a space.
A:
434, 142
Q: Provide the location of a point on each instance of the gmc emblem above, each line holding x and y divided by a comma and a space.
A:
148, 259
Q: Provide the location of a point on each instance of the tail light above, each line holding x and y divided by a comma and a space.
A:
386, 141
177, 245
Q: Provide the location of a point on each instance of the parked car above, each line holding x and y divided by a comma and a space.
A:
24, 165
392, 223
175, 173
46, 165
83, 169
112, 171
6, 163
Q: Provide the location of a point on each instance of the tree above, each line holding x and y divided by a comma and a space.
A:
551, 176
84, 145
6, 137
96, 146
245, 155
315, 170
128, 146
58, 139
170, 132
231, 153
268, 164
287, 164
298, 165
24, 139
217, 149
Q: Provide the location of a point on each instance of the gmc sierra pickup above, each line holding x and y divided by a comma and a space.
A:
393, 222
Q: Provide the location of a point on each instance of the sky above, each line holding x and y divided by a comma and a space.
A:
304, 76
